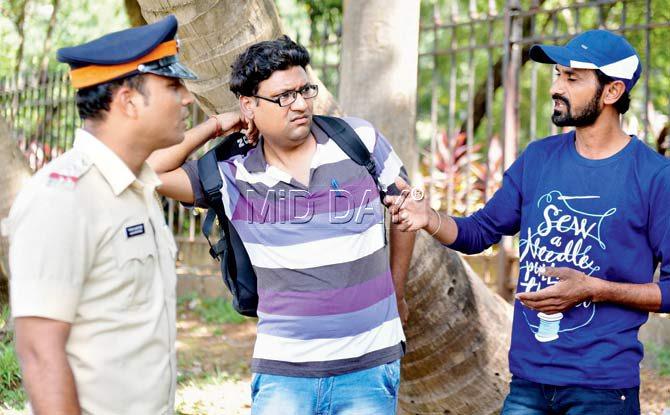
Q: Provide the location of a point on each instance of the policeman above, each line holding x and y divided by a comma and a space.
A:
92, 260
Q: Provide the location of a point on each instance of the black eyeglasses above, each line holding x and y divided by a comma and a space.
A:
287, 98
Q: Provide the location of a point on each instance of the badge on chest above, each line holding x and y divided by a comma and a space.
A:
135, 230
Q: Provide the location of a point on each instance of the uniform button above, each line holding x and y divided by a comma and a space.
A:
623, 398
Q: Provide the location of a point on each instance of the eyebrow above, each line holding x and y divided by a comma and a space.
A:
283, 91
568, 71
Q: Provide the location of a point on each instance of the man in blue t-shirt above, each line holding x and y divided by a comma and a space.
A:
591, 207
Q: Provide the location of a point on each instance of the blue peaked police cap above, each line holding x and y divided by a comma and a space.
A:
144, 49
595, 49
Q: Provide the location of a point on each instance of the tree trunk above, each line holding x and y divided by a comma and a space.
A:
134, 13
458, 336
459, 331
213, 33
15, 172
378, 77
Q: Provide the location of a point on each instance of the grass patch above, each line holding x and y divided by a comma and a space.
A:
210, 310
12, 395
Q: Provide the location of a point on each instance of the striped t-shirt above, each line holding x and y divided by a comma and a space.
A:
326, 297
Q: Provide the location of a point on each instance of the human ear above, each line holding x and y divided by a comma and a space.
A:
613, 92
126, 100
247, 107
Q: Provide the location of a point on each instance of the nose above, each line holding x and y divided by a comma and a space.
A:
557, 87
186, 96
300, 103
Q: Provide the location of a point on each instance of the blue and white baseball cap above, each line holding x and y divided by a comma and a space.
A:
595, 49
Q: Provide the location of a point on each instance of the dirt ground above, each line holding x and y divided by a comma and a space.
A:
654, 393
214, 361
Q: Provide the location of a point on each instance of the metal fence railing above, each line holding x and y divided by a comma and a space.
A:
40, 110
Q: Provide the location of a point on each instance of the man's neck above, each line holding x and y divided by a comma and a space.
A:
295, 160
121, 143
285, 156
602, 139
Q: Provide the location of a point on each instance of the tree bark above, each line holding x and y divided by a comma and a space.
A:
378, 79
15, 172
458, 336
213, 33
459, 331
134, 13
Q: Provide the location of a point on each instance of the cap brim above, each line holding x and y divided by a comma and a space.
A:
556, 55
173, 70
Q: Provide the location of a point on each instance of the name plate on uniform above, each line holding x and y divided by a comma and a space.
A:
135, 230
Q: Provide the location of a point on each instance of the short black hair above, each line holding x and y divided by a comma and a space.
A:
260, 60
623, 104
93, 101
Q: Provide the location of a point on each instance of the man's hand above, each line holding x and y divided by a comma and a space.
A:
409, 214
230, 122
573, 288
403, 310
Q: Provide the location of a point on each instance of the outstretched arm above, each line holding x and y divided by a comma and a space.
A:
413, 215
500, 216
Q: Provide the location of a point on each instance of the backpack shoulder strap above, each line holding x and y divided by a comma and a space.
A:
208, 172
349, 141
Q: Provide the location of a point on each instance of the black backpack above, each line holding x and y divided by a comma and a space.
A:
236, 269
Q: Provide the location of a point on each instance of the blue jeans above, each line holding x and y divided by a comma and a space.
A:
530, 398
366, 392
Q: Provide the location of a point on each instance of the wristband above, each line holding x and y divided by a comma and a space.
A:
219, 129
439, 222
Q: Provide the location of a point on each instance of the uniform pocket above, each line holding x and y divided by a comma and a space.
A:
135, 253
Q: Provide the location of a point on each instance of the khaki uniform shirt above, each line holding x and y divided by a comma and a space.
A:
89, 246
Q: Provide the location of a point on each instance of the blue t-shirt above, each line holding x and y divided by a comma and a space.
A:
609, 218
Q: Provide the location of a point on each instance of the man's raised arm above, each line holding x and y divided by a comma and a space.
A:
167, 162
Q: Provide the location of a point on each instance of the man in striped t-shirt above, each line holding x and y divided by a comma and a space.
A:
329, 332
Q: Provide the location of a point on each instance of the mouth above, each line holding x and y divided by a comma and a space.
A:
301, 120
560, 102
